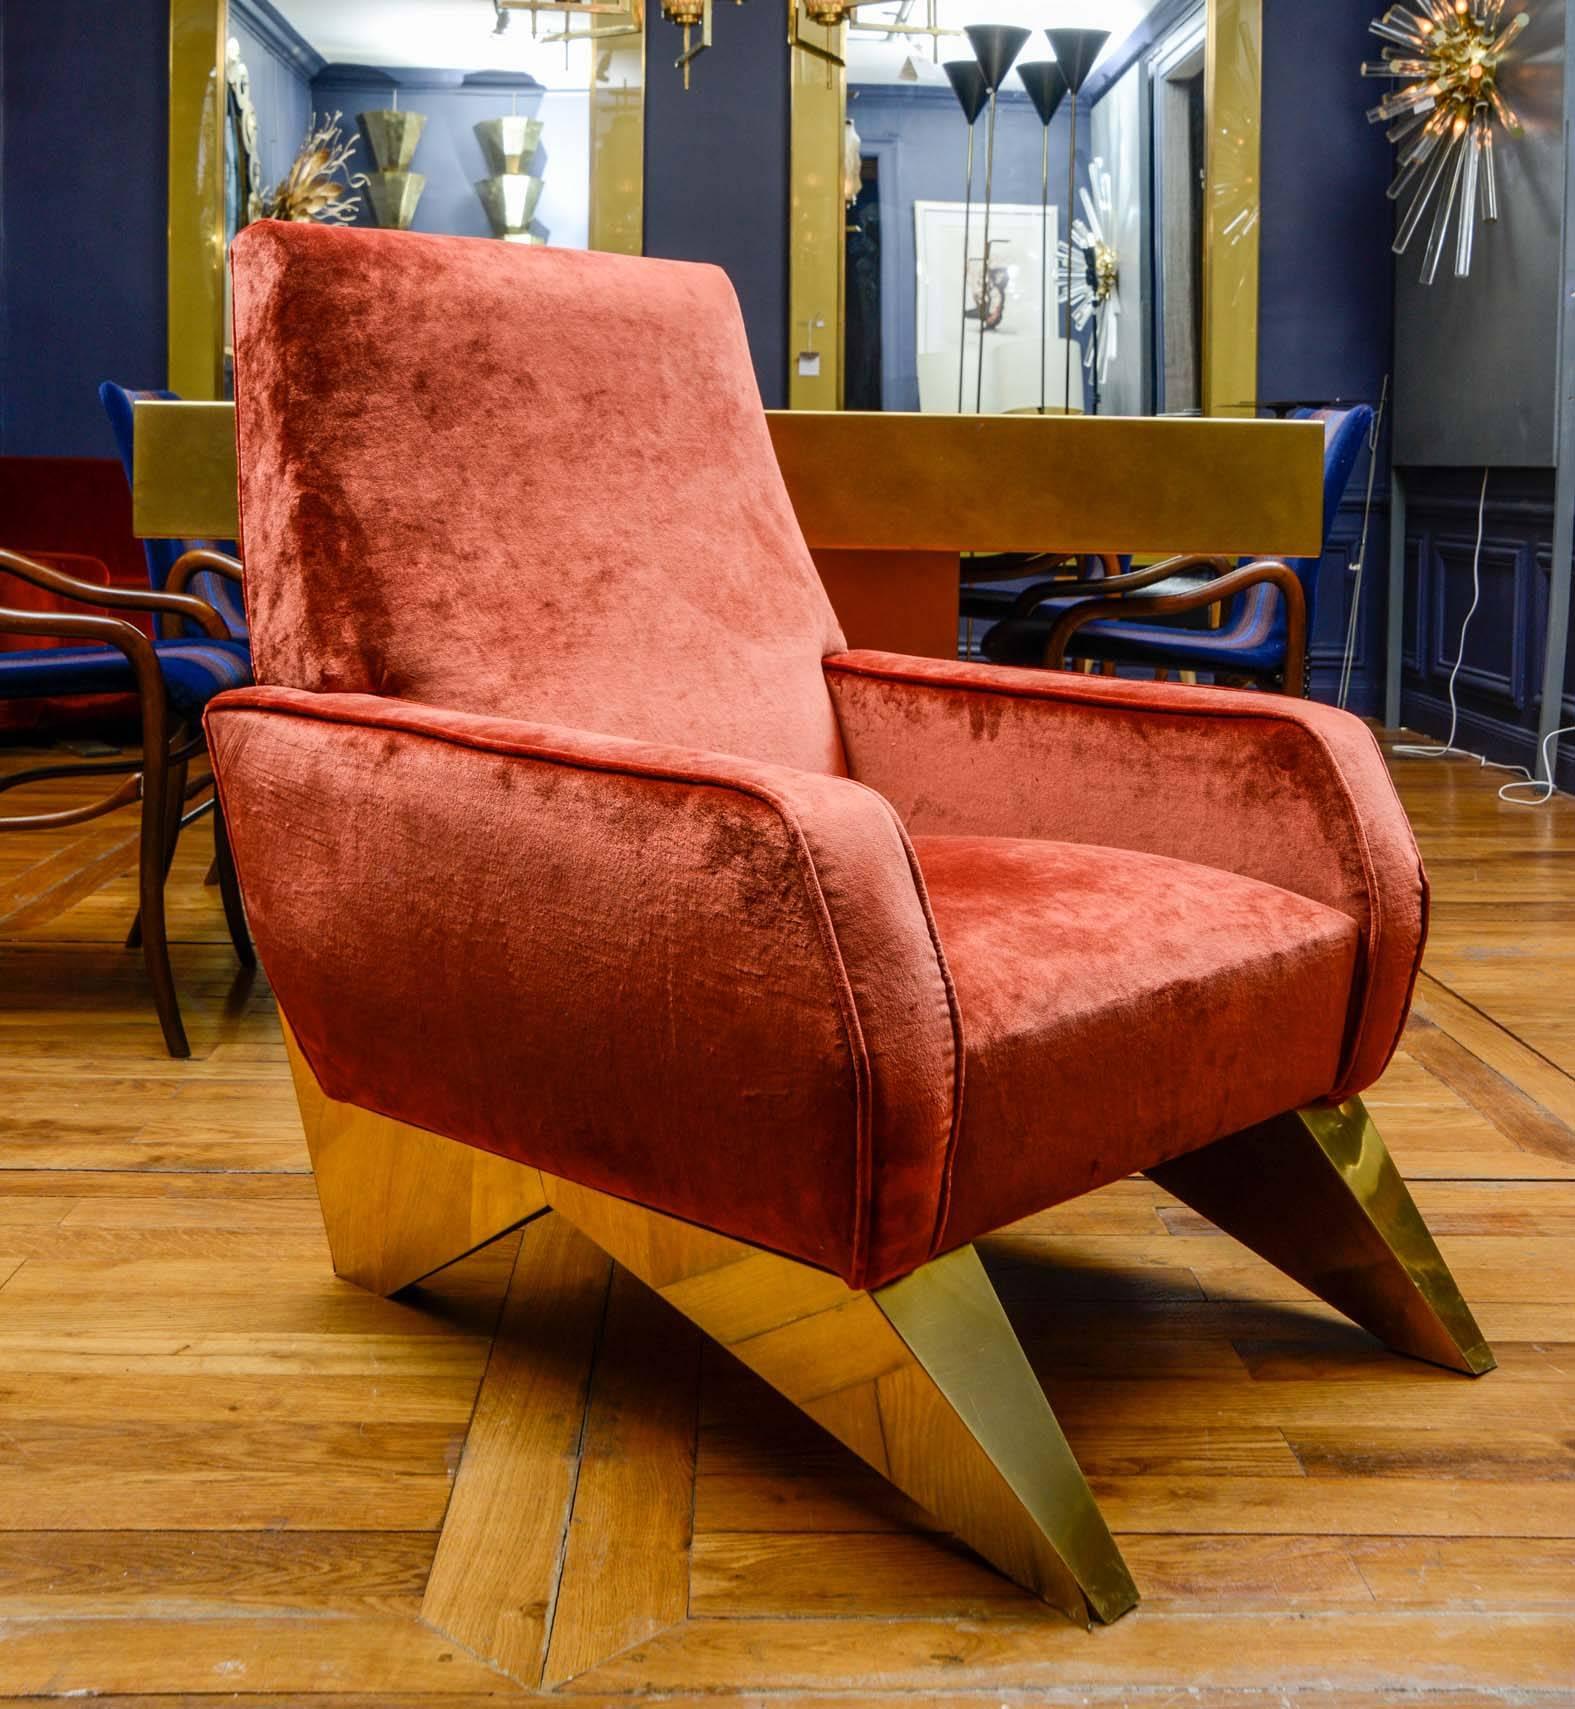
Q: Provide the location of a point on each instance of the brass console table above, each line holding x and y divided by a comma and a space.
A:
888, 503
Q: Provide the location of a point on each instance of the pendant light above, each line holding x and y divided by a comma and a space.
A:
967, 82
1046, 84
1075, 52
995, 47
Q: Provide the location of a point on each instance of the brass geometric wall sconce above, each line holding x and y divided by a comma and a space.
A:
1446, 56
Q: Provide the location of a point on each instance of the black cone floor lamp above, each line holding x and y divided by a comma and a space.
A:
1075, 52
967, 82
995, 47
1047, 89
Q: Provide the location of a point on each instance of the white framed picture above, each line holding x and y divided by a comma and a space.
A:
1010, 303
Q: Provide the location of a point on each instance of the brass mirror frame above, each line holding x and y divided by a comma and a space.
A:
1233, 97
198, 129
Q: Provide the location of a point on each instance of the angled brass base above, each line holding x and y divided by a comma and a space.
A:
1318, 1195
924, 1380
398, 1202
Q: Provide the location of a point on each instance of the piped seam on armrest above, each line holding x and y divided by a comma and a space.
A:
250, 700
1268, 715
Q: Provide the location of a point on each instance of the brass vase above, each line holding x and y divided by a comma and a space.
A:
511, 193
394, 190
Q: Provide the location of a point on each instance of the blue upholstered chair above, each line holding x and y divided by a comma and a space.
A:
1269, 606
197, 649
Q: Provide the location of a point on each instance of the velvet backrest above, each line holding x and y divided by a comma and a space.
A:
522, 481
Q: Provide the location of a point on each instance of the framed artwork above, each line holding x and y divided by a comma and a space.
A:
1011, 301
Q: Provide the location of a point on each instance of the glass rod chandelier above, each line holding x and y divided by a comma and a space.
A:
1445, 56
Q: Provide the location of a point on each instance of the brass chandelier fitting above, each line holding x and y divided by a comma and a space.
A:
1447, 56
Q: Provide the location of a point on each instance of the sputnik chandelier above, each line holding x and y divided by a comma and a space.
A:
1090, 275
1446, 56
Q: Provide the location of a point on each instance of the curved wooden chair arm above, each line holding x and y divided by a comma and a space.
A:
1008, 566
1158, 608
114, 598
90, 629
203, 559
1031, 598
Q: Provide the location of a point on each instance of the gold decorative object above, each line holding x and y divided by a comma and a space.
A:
508, 143
510, 194
1446, 56
510, 199
313, 188
392, 136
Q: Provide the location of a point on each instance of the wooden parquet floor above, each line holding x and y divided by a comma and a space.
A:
223, 1472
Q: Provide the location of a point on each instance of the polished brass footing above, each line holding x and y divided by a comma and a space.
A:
1318, 1195
924, 1379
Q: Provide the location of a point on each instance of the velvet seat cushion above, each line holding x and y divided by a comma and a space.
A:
1121, 1008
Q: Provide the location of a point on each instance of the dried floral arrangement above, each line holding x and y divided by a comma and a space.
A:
313, 188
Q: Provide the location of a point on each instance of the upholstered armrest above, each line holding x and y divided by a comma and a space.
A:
707, 985
1282, 790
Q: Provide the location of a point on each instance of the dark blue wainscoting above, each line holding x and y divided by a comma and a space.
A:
1500, 683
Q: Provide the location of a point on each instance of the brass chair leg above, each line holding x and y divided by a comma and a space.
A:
924, 1380
1318, 1195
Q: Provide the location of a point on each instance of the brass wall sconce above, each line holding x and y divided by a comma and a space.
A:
689, 16
1446, 55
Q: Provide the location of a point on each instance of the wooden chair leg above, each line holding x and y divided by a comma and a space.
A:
925, 1379
230, 889
174, 810
1318, 1195
160, 787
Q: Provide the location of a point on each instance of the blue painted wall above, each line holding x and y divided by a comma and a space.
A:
920, 140
84, 98
1325, 308
716, 175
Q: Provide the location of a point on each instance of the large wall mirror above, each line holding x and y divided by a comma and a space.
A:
476, 118
955, 290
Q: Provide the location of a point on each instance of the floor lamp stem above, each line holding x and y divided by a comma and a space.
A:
984, 271
1071, 192
962, 340
1045, 273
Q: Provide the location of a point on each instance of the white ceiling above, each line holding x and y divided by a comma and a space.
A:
458, 34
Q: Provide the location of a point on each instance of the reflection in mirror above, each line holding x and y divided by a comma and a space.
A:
475, 118
1071, 305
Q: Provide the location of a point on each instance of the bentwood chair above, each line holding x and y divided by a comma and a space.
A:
1269, 607
173, 676
784, 972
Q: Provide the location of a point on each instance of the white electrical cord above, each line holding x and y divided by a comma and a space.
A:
1429, 753
1506, 793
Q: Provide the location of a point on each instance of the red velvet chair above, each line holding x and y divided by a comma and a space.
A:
570, 832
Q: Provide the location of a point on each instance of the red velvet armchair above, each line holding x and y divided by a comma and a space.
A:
571, 833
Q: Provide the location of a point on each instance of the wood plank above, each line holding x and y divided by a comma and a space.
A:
1391, 1651
626, 1564
515, 1489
